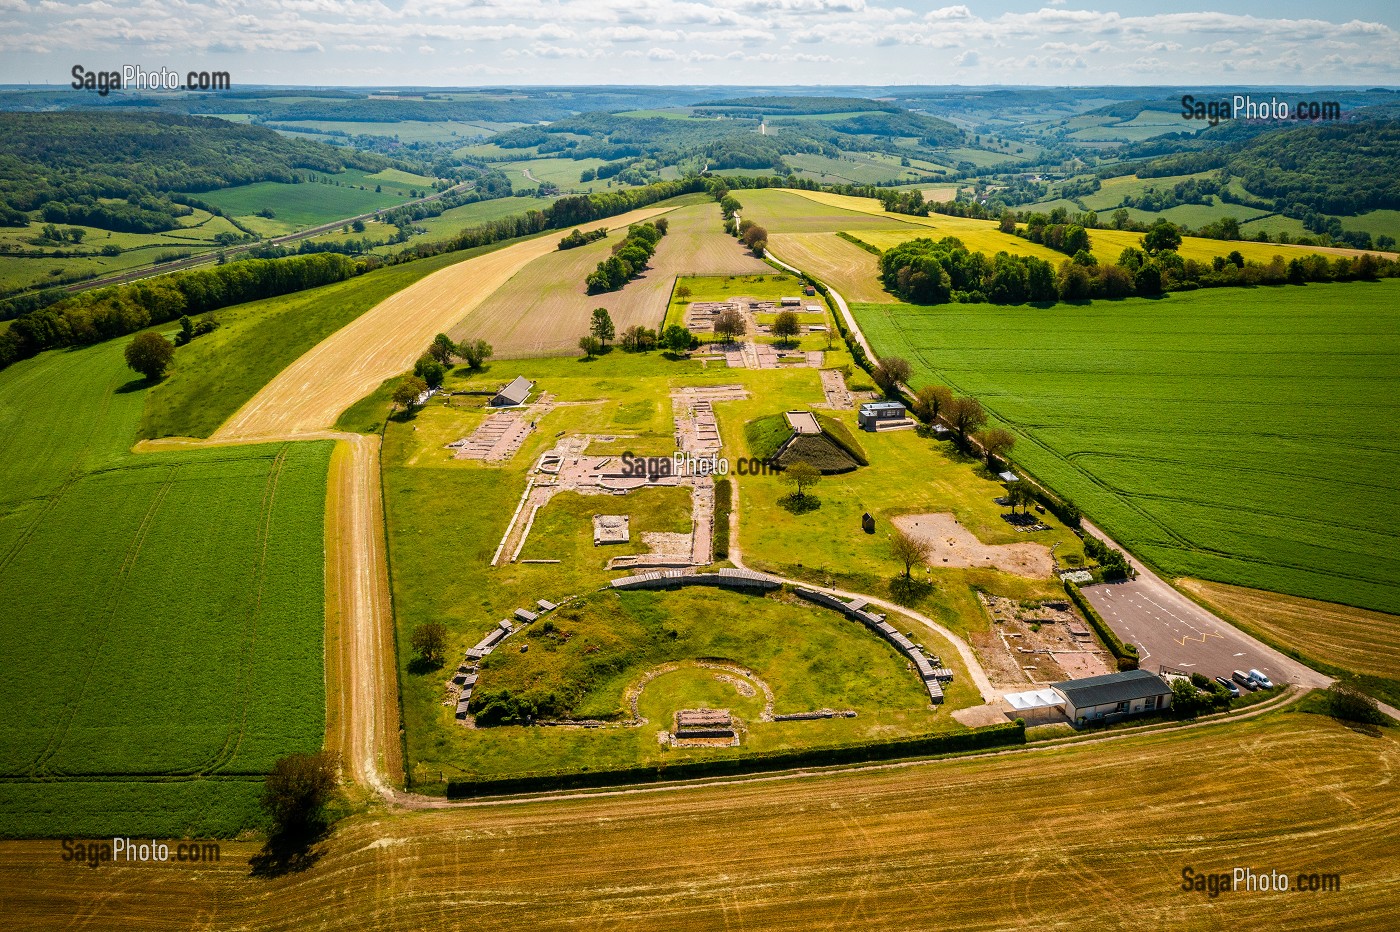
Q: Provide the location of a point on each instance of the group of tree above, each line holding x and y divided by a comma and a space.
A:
123, 170
924, 271
628, 258
753, 236
189, 330
1109, 559
579, 238
101, 314
1068, 238
432, 367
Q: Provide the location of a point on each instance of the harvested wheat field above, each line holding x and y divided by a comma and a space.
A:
1352, 638
954, 545
854, 272
545, 307
310, 393
1085, 837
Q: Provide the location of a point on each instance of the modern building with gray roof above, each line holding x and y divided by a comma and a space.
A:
1131, 692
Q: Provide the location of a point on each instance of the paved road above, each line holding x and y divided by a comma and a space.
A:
1172, 631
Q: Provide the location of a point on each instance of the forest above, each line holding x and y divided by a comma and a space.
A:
124, 172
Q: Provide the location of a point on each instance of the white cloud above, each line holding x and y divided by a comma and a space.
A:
843, 41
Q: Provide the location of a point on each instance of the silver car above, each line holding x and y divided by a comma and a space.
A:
1260, 680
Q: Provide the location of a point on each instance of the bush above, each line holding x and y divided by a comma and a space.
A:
724, 502
1348, 704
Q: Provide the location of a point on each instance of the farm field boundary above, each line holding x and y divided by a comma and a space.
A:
1216, 456
309, 394
151, 652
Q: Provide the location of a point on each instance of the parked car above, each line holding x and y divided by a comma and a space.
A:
1239, 676
1230, 688
1260, 680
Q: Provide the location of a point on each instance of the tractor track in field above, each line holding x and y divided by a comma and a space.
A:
114, 601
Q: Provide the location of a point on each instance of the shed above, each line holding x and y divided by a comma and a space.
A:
514, 394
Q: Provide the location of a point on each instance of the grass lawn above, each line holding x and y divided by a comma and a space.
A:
166, 611
596, 648
1241, 436
446, 518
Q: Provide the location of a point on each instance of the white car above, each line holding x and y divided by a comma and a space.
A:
1260, 680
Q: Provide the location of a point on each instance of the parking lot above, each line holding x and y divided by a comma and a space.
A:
1172, 631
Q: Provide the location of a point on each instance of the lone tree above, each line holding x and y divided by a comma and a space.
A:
296, 793
965, 415
931, 401
891, 371
590, 346
443, 349
475, 352
676, 338
150, 354
785, 326
429, 641
406, 395
996, 443
602, 327
909, 550
683, 292
801, 476
1161, 235
730, 325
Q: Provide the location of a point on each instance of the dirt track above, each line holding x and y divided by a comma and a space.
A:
312, 392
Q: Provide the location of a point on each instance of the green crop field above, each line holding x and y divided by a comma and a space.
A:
1247, 437
331, 197
163, 643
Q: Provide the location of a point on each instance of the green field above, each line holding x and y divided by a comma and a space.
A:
61, 264
446, 519
213, 376
329, 198
163, 644
1247, 437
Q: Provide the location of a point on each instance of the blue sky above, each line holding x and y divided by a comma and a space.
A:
475, 42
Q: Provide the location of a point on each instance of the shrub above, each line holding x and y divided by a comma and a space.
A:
1348, 704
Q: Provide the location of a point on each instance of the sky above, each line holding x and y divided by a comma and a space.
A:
770, 42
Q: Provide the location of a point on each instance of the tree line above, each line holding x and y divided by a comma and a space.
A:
102, 314
628, 258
